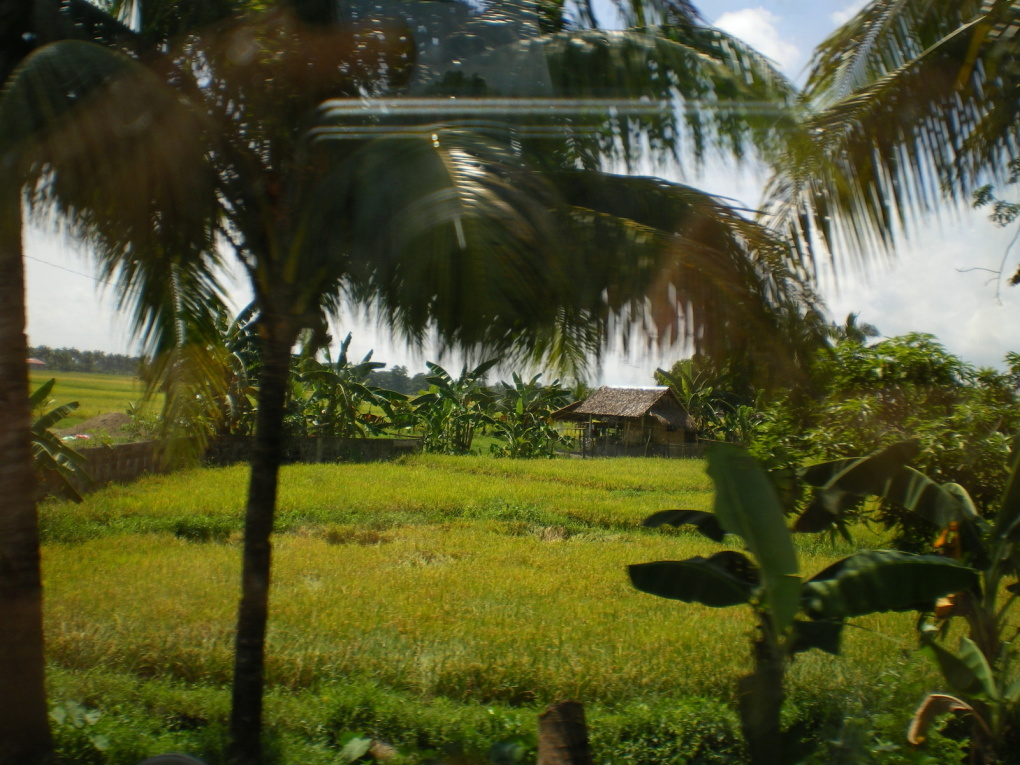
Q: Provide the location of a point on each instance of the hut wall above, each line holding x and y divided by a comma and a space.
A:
634, 432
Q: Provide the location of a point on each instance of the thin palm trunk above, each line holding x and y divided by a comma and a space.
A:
24, 725
246, 713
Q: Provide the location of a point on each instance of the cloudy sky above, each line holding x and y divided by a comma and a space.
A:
925, 288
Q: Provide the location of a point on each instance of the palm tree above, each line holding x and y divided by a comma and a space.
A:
329, 156
851, 331
908, 105
24, 722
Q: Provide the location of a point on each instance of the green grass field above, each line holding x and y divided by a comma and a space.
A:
436, 603
95, 393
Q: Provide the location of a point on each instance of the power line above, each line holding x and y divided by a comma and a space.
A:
70, 271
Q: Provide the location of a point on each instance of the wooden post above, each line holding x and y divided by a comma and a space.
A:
563, 735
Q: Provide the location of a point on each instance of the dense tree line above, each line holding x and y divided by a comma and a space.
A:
73, 360
397, 379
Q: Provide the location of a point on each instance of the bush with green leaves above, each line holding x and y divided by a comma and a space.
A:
448, 414
863, 397
792, 614
336, 398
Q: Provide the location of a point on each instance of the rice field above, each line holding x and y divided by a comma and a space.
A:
95, 393
436, 603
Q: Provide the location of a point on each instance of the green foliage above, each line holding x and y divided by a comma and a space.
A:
450, 411
76, 734
74, 360
335, 398
718, 396
52, 456
522, 418
864, 397
981, 671
768, 581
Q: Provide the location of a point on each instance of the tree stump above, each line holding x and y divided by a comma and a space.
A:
563, 735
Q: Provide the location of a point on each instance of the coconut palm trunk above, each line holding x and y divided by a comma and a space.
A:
253, 612
24, 723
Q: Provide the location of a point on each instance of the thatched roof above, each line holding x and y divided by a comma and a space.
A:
658, 402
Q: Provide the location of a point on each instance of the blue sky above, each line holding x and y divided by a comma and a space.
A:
921, 289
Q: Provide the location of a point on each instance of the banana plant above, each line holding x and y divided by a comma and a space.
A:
522, 421
335, 397
52, 456
980, 673
793, 613
450, 411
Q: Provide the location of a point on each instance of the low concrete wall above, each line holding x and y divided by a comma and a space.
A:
127, 462
226, 450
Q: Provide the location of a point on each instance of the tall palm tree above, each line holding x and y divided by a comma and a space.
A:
24, 723
909, 105
411, 159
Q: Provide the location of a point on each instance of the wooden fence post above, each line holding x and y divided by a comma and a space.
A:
563, 735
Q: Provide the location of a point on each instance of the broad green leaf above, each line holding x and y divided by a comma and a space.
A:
885, 474
355, 746
966, 672
54, 416
704, 522
746, 505
1012, 694
696, 580
825, 509
42, 392
862, 475
883, 580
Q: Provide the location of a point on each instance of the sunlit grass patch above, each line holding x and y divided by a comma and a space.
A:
210, 502
95, 393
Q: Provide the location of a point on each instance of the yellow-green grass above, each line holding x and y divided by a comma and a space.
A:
451, 584
601, 495
95, 393
448, 610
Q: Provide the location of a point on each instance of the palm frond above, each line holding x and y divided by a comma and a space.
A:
682, 267
922, 120
90, 125
450, 233
671, 92
882, 38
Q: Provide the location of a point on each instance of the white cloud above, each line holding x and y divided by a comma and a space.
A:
927, 289
757, 27
839, 18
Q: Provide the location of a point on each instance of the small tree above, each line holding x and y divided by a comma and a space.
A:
333, 398
52, 456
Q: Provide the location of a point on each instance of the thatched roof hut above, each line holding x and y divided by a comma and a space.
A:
621, 419
658, 402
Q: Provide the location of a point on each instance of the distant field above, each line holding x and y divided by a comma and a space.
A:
95, 393
436, 603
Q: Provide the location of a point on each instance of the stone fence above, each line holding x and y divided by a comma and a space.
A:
127, 462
